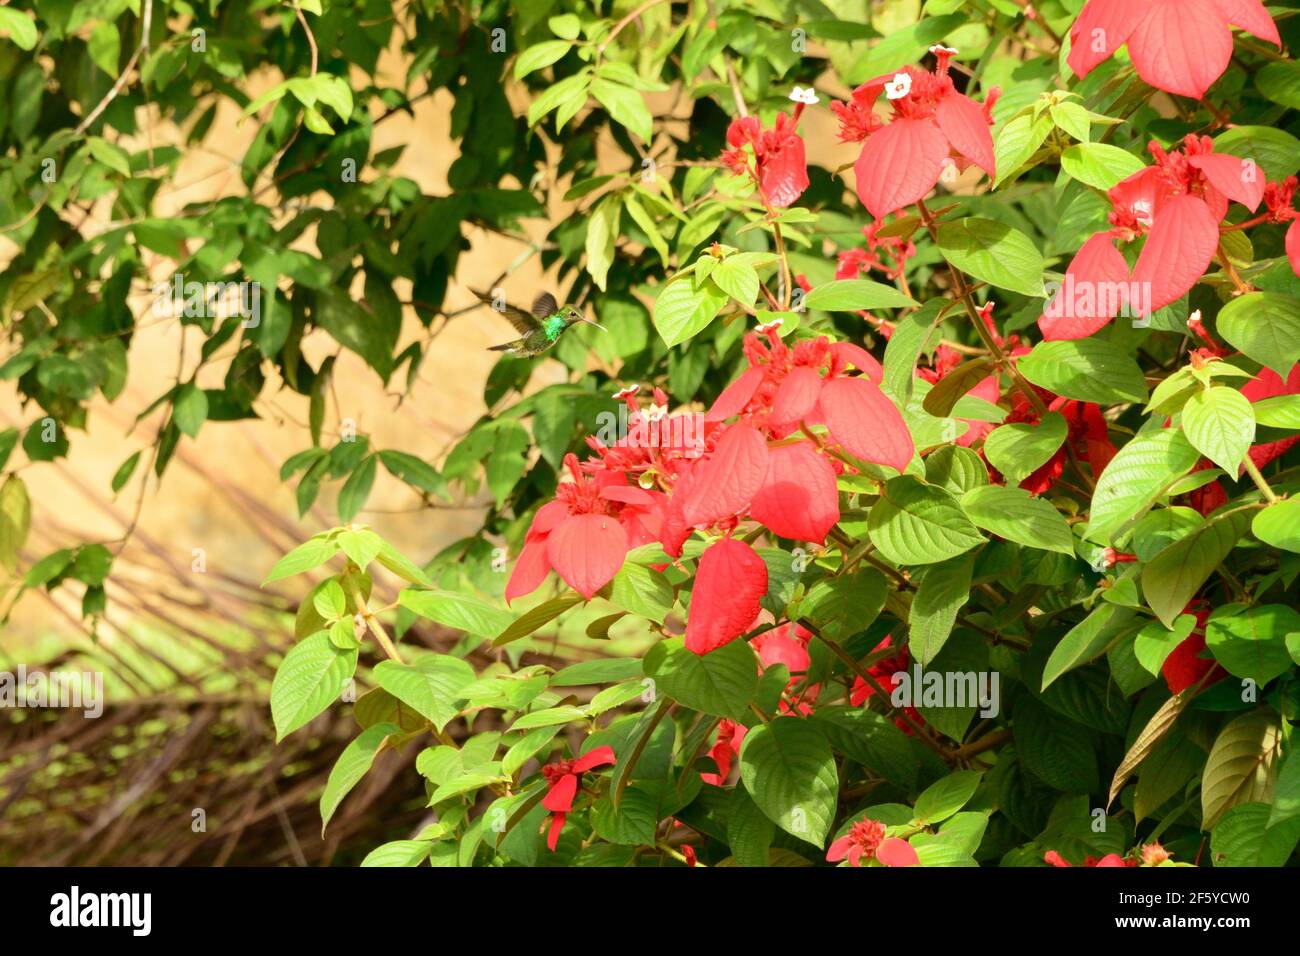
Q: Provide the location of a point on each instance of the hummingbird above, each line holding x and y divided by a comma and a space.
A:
540, 328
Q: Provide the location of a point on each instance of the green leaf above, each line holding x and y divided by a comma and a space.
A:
355, 491
1265, 326
1220, 425
626, 107
1016, 141
1280, 82
531, 620
602, 670
749, 832
941, 800
843, 605
1286, 796
722, 682
1245, 836
190, 409
788, 768
1241, 765
20, 27
1088, 370
682, 311
1279, 525
15, 521
1018, 516
914, 333
1276, 151
398, 853
995, 253
415, 472
632, 822
461, 611
1054, 749
916, 523
329, 600
737, 278
1252, 644
1020, 449
1087, 640
1280, 411
1136, 477
353, 764
570, 89
432, 686
643, 591
1099, 165
124, 472
308, 680
943, 591
540, 56
854, 295
1175, 575
602, 234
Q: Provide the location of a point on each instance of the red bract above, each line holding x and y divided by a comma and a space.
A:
724, 751
932, 123
562, 780
730, 582
883, 673
1110, 859
1179, 46
1177, 204
1186, 663
781, 169
866, 840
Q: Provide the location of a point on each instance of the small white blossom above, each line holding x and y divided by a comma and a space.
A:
940, 48
656, 412
769, 326
808, 97
899, 86
628, 392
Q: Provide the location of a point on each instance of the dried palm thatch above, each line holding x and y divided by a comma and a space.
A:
182, 766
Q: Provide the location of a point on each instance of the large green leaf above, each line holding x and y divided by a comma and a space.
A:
1018, 516
1241, 765
1279, 525
682, 311
1087, 640
722, 682
1264, 326
943, 591
308, 680
854, 295
916, 523
1246, 837
1099, 165
1019, 449
995, 253
1088, 370
788, 768
1135, 477
642, 590
1252, 644
461, 611
432, 685
352, 765
1175, 575
1057, 751
1220, 425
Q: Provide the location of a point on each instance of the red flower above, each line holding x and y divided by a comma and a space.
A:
781, 167
932, 123
562, 780
1178, 204
1279, 198
1110, 859
1179, 46
725, 750
730, 582
1087, 436
883, 672
866, 840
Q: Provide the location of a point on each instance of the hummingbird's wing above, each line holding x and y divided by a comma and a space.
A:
521, 320
545, 305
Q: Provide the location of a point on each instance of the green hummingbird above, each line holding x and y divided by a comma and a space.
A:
539, 329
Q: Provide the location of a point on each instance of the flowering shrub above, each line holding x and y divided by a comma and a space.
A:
925, 497
986, 551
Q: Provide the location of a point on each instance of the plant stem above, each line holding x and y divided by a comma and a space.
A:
1258, 478
373, 624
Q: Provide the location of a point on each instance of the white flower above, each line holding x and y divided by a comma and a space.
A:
656, 412
1194, 319
628, 392
899, 86
940, 48
769, 326
1142, 212
808, 97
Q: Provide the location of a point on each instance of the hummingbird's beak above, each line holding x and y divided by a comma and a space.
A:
596, 324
